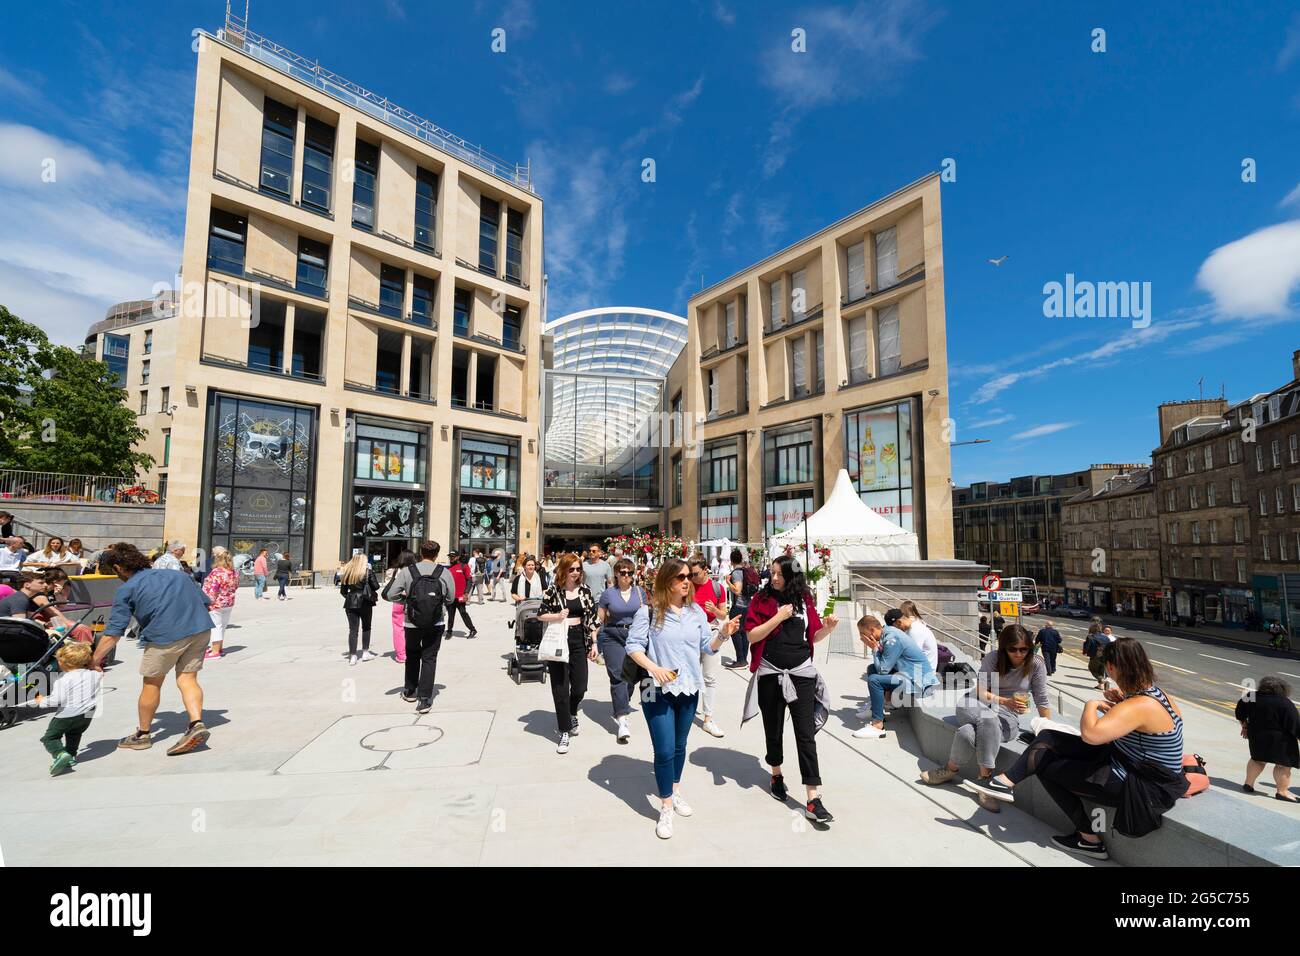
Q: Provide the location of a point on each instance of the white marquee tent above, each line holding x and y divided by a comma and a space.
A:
850, 529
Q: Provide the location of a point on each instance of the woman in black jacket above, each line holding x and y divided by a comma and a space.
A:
1270, 722
568, 599
360, 590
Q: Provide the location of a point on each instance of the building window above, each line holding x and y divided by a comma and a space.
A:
859, 370
226, 236
1196, 532
1214, 532
512, 324
1278, 500
423, 293
1263, 546
164, 399
144, 372
731, 325
798, 295
392, 290
878, 456
426, 209
1214, 569
1171, 500
788, 456
1169, 466
889, 345
1196, 567
313, 266
485, 382
1173, 532
1295, 449
1209, 495
1259, 458
464, 305
1263, 502
167, 447
857, 263
279, 128
1209, 457
719, 519
318, 165
1173, 567
1241, 570
117, 352
1274, 407
1234, 451
799, 366
489, 226
776, 292
1277, 453
144, 402
719, 467
1191, 462
677, 480
514, 245
1238, 530
675, 423
1193, 497
819, 350
488, 466
1295, 497
1281, 547
1236, 491
365, 174
148, 341
886, 258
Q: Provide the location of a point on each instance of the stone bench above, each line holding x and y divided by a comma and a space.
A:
1209, 829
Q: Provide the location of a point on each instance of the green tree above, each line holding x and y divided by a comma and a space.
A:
64, 411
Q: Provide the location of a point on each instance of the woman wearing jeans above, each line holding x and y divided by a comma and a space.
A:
618, 606
360, 590
667, 639
568, 599
283, 568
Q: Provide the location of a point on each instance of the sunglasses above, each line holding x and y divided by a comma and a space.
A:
1017, 650
682, 577
622, 573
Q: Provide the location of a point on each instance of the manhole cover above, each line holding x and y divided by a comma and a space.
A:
409, 737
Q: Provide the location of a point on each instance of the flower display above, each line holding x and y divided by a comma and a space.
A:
658, 546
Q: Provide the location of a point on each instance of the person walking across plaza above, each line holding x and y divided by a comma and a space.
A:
597, 574
76, 694
1049, 639
174, 628
360, 590
463, 578
404, 560
259, 576
426, 591
712, 599
170, 559
220, 586
617, 607
743, 583
283, 571
528, 583
1270, 723
568, 599
784, 628
667, 638
478, 574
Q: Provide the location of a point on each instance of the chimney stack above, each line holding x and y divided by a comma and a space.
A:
1295, 364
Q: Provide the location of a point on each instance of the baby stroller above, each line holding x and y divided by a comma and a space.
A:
26, 664
523, 664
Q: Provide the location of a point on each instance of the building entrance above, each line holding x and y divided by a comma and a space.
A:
576, 536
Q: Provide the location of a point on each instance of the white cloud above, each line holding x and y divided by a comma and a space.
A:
1292, 198
994, 421
670, 118
617, 83
722, 14
98, 233
1038, 431
1132, 340
851, 54
1291, 45
1255, 275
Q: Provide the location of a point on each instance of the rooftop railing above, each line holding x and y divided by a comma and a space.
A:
237, 34
53, 486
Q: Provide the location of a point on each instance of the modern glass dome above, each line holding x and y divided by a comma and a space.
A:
604, 403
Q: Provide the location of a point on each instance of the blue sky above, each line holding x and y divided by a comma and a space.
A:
1117, 166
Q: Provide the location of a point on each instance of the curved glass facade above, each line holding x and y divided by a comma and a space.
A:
603, 407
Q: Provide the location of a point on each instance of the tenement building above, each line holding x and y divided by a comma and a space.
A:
1015, 526
828, 354
1110, 546
1228, 490
358, 361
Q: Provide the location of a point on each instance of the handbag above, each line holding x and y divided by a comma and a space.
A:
555, 643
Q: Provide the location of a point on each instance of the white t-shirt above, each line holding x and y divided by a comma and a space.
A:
924, 637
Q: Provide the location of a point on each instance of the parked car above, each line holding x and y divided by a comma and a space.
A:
1075, 611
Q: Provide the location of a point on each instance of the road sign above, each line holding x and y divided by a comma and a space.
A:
991, 582
1016, 596
1009, 608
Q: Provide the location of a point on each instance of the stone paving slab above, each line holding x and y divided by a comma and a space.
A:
291, 774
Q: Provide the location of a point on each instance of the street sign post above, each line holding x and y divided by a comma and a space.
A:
991, 582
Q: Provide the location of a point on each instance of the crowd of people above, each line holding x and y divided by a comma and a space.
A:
658, 629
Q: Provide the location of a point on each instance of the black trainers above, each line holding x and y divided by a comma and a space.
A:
815, 812
778, 787
424, 707
1073, 843
573, 727
993, 787
471, 635
408, 697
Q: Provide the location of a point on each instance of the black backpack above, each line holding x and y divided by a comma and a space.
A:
426, 598
751, 584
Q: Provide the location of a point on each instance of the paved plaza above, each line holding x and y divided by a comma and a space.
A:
315, 762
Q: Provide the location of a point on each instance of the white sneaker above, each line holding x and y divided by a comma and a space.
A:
870, 732
353, 660
680, 806
664, 829
623, 733
713, 730
563, 746
368, 655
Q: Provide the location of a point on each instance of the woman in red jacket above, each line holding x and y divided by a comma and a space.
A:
462, 576
783, 626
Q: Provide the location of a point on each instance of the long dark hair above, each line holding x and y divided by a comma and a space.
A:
405, 560
1010, 636
1133, 670
796, 586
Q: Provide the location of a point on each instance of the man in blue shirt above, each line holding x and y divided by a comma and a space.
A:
900, 663
172, 613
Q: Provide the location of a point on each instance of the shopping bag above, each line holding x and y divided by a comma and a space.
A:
555, 643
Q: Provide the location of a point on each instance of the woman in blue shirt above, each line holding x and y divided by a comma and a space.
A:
616, 608
667, 639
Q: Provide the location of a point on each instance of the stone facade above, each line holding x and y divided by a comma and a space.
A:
1110, 546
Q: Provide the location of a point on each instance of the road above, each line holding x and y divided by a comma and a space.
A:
1204, 671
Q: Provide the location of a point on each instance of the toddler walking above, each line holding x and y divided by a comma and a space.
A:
75, 694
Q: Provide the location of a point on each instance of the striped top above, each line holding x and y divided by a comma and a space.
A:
1164, 749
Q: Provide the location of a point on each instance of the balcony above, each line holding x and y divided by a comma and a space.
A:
910, 277
812, 315
424, 320
305, 207
388, 391
236, 270
262, 368
428, 250
483, 338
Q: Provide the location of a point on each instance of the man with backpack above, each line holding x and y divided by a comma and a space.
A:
427, 590
743, 583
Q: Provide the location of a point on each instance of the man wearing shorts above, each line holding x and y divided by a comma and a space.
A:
174, 627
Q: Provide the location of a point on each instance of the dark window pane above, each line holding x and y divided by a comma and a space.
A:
279, 127
226, 234
488, 226
392, 287
313, 266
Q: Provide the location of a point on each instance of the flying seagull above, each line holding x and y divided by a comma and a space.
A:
999, 260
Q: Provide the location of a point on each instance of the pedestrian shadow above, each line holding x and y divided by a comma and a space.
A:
397, 690
599, 713
232, 648
744, 769
540, 723
631, 780
1003, 832
165, 726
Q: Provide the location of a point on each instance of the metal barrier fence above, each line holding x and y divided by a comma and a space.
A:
53, 486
